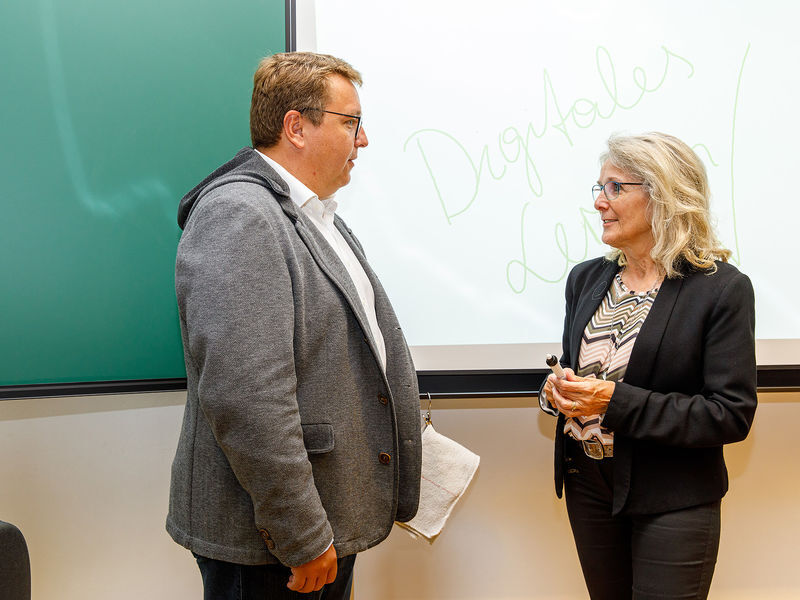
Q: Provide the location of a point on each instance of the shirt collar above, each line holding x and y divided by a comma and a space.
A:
303, 197
298, 192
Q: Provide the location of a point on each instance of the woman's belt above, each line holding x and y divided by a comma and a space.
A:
594, 448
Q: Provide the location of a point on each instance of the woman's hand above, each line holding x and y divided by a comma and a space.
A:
578, 396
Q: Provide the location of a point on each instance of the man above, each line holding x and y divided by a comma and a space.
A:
300, 443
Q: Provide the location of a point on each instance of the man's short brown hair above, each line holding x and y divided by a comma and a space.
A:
291, 81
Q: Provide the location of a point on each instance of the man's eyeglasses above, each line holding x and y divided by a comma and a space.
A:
611, 189
356, 124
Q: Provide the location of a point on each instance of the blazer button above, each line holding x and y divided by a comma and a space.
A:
384, 458
270, 545
264, 534
383, 399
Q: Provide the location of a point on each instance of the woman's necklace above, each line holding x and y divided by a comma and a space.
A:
653, 287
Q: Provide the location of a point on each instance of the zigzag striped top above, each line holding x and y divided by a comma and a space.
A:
606, 348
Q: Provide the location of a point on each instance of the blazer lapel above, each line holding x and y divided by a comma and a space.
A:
321, 251
638, 372
381, 299
380, 294
317, 245
332, 266
587, 307
643, 356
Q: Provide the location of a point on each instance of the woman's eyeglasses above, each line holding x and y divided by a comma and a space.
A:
611, 189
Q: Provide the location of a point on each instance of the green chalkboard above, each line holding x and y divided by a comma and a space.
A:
109, 112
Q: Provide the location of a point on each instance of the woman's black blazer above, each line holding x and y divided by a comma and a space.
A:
689, 387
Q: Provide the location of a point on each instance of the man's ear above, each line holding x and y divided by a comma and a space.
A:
293, 128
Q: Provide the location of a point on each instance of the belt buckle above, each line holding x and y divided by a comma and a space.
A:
593, 449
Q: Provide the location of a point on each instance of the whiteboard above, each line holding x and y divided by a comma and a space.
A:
486, 122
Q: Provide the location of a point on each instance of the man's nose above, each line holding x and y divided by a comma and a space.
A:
361, 138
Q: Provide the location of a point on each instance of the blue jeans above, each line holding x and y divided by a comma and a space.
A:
229, 581
643, 557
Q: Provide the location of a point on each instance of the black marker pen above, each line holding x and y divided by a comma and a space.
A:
555, 366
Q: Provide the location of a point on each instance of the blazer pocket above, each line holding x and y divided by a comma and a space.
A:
318, 437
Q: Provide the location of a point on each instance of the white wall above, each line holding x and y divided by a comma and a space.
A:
510, 537
86, 480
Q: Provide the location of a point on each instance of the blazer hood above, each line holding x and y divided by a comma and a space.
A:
246, 166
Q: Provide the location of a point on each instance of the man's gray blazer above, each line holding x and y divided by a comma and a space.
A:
293, 434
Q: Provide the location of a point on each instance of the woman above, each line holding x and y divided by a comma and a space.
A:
659, 362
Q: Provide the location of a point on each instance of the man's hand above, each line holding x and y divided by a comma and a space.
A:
311, 576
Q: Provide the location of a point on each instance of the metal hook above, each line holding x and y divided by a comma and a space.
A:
428, 413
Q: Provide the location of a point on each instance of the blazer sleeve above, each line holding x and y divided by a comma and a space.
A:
235, 290
722, 409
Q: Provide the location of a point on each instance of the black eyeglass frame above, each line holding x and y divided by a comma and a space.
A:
597, 188
332, 112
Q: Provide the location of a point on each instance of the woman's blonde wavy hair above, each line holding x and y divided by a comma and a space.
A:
678, 210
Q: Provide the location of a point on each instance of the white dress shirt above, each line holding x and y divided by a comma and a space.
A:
320, 213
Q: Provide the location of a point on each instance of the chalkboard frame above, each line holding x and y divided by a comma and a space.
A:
492, 383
